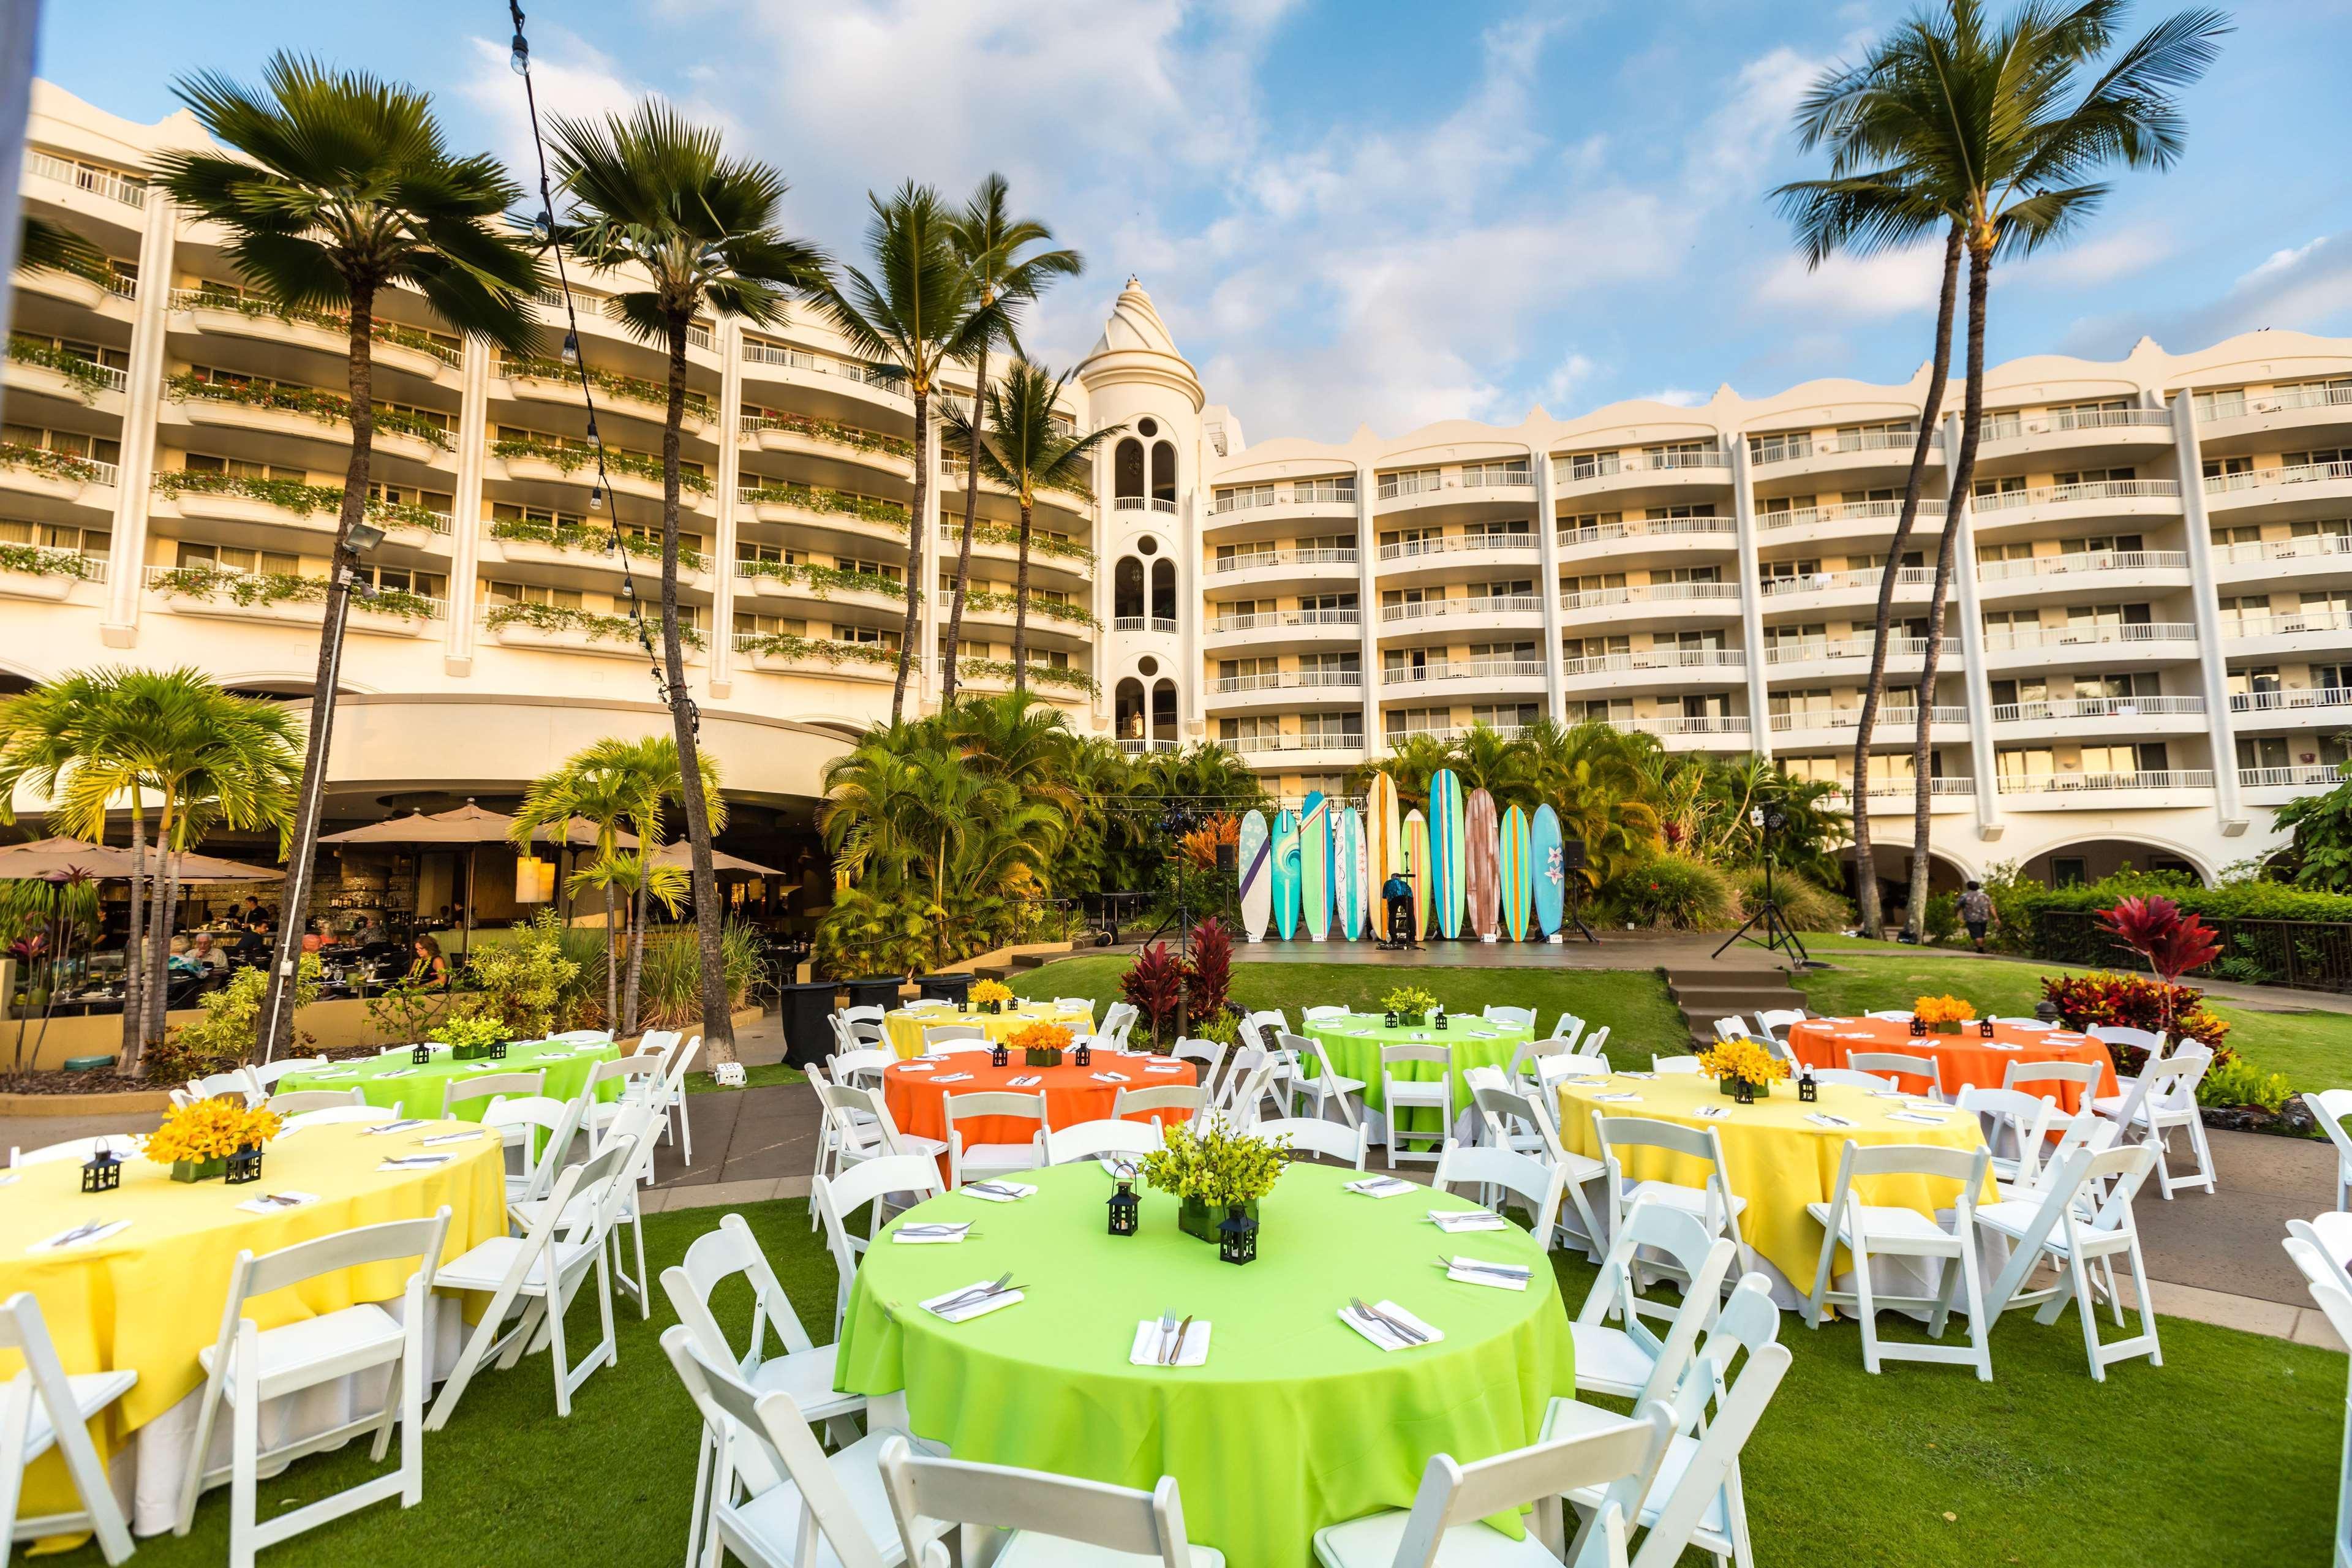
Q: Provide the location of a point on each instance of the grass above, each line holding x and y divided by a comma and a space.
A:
2225, 1455
753, 1078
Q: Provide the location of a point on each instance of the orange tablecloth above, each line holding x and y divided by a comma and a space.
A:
1964, 1059
1072, 1094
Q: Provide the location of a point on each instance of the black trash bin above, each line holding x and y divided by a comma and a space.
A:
876, 991
807, 1007
955, 988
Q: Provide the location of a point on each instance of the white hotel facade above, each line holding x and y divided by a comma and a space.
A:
2149, 642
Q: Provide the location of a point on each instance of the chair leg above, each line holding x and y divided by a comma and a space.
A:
245, 1442
555, 1305
2085, 1308
412, 1375
685, 1125
704, 1457
1863, 1307
1980, 1330
1813, 1301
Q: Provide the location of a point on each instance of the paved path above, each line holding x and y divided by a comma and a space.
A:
1616, 950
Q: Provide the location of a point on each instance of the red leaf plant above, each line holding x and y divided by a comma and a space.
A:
1151, 984
1212, 970
2172, 942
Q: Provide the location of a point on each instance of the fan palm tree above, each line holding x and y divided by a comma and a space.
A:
658, 197
2002, 131
587, 789
643, 777
1025, 450
342, 188
920, 308
55, 248
991, 242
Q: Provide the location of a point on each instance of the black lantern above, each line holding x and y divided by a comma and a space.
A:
1389, 1019
1125, 1210
1918, 1027
1808, 1092
244, 1165
1238, 1236
998, 1055
422, 1055
1984, 1028
1443, 1023
1742, 1092
497, 1050
1084, 1056
103, 1174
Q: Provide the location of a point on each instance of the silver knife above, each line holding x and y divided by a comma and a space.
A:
977, 1293
1409, 1336
1472, 1266
77, 1232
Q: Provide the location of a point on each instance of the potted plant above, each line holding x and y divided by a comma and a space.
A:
197, 1139
1213, 1172
1738, 1064
1944, 1014
992, 995
475, 1039
1412, 1005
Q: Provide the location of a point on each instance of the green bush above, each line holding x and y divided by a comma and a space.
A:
2238, 901
1804, 903
1673, 893
225, 1035
1943, 916
669, 994
2240, 1082
522, 983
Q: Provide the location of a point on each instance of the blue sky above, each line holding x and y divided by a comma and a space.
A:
1374, 212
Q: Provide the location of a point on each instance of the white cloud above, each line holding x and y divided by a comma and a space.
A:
1565, 385
2304, 287
1674, 398
1861, 288
2131, 249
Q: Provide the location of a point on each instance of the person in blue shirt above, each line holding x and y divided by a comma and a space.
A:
1397, 893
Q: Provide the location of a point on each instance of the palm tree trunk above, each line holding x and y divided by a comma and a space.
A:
637, 950
134, 972
166, 920
918, 522
963, 550
1020, 602
1865, 865
1914, 917
612, 965
276, 1030
718, 1034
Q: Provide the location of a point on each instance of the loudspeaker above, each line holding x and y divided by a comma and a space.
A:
1228, 858
1571, 854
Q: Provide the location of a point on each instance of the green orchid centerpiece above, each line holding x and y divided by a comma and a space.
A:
1214, 1172
1412, 1005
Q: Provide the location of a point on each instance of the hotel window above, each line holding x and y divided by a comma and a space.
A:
2010, 485
752, 624
2245, 534
90, 543
2105, 617
401, 580
1332, 729
95, 353
1781, 447
879, 568
1503, 652
874, 636
1507, 716
2262, 752
1592, 519
2333, 677
1515, 527
1688, 575
1693, 642
2011, 694
1699, 509
2244, 607
2146, 757
1819, 699
1779, 571
2323, 455
1402, 536
1348, 666
1412, 482
2118, 688
2096, 475
1597, 582
1405, 664
71, 443
752, 550
441, 502
1233, 557
1262, 670
1788, 636
1899, 767
2332, 601
1235, 496
1250, 727
1327, 602
1503, 588
651, 533
1602, 709
2326, 528
506, 511
1706, 705
1328, 543
1818, 770
1585, 465
1596, 647
230, 558
1776, 505
1681, 454
2102, 544
1306, 490
2221, 467
1506, 472
1417, 720
2258, 680
2025, 763
495, 593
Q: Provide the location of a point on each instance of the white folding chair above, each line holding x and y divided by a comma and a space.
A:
2162, 1099
1527, 1055
1633, 1363
862, 1068
1209, 1056
1777, 1021
1116, 1021
1852, 1079
1270, 1021
1400, 1095
1313, 1135
248, 1365
969, 1162
2016, 1127
2114, 1034
235, 1080
542, 1129
636, 1122
1596, 1046
455, 1091
1050, 1520
363, 1114
1569, 1027
1532, 1182
1093, 1140
1328, 1087
123, 1145
1774, 1047
675, 1103
940, 1038
266, 1074
543, 1270
1523, 1123
1190, 1098
875, 1182
1868, 1230
2030, 1077
1712, 1204
640, 1077
40, 1407
1730, 1028
1674, 1065
1510, 1017
2066, 1225
296, 1102
2329, 1107
1900, 1067
1251, 1089
1312, 1015
2332, 1293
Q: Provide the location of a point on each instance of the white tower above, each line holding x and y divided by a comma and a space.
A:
1148, 475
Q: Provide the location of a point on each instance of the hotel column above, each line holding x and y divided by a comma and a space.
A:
1367, 604
1751, 598
2212, 658
1975, 687
1100, 583
1189, 723
135, 468
729, 343
926, 622
466, 523
1548, 583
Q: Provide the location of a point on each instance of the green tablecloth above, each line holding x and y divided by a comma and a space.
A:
1354, 1042
416, 1091
1296, 1422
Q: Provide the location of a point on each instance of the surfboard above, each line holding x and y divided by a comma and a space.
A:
1482, 876
1550, 875
1446, 888
1518, 884
1412, 854
1315, 867
1285, 875
1383, 824
1255, 858
1348, 872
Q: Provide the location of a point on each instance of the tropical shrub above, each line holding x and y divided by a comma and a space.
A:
2238, 901
1804, 903
1673, 893
405, 1013
872, 932
1210, 976
2240, 1082
1943, 916
225, 1035
522, 984
1150, 985
2135, 1002
671, 991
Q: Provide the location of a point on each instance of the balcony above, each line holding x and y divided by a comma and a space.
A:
1498, 606
781, 653
289, 504
1467, 670
1279, 627
47, 371
841, 512
1284, 565
832, 386
54, 476
1652, 603
1166, 623
1459, 545
1891, 796
2303, 631
1793, 659
285, 599
999, 542
1136, 747
1302, 501
2292, 706
2080, 433
1817, 726
104, 293
1642, 478
395, 345
2084, 502
1665, 528
1843, 520
2097, 645
2102, 718
830, 440
1285, 690
1685, 726
2039, 791
1475, 493
2318, 555
2303, 484
2107, 571
1144, 503
566, 630
1846, 452
1346, 745
1818, 590
2229, 415
27, 571
2296, 780
1661, 667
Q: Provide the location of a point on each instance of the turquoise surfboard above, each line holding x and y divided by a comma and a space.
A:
1348, 872
1286, 875
1448, 890
1549, 872
1517, 882
1314, 868
1255, 858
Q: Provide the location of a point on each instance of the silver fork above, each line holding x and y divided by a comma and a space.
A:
977, 1293
1408, 1335
1159, 1346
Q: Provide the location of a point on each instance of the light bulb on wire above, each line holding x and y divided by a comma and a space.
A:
572, 351
521, 58
595, 497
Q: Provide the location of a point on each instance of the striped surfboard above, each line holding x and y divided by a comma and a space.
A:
1348, 891
1315, 867
1447, 891
1256, 862
1413, 856
1285, 875
1482, 866
1517, 878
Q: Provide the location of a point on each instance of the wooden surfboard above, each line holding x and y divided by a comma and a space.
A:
1348, 872
1315, 867
1412, 854
1383, 827
1550, 873
1285, 875
1255, 858
1517, 880
1447, 891
1483, 870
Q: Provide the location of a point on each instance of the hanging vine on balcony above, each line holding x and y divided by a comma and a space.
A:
295, 496
575, 536
569, 458
326, 407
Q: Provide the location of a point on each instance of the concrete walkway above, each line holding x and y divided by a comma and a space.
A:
1615, 950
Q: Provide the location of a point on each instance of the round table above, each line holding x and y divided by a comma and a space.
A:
1296, 1421
1353, 1042
1073, 1093
1772, 1156
395, 1082
1963, 1059
905, 1027
150, 1297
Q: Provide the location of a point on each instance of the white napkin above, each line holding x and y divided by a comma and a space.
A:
339, 1072
1829, 1020
415, 1162
268, 1203
1385, 1186
1381, 1334
1585, 1082
1914, 1116
951, 1077
8, 1179
59, 1241
1644, 1076
1478, 1272
1171, 1066
1886, 1094
917, 1067
589, 1050
1712, 1112
1827, 1119
977, 1309
401, 1073
485, 1067
2011, 1045
1030, 1081
1149, 1340
932, 1232
1618, 1098
1452, 1220
403, 1125
440, 1138
1111, 1078
997, 1191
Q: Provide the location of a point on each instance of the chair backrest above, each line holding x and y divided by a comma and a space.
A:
1621, 1457
1614, 1132
938, 1035
236, 1080
1309, 1014
1674, 1064
1597, 1045
851, 1064
1537, 1052
455, 1091
1210, 1054
1392, 1056
1747, 1323
838, 1197
2148, 1040
640, 1072
1539, 1185
1184, 1096
2331, 1291
845, 1104
712, 1259
78, 1150
1703, 1261
1852, 1078
681, 1062
1250, 1088
1503, 1110
1313, 1135
558, 1119
1568, 1027
266, 1074
927, 1493
1731, 1028
866, 1013
2329, 1107
1774, 1047
1011, 1102
1551, 1070
2015, 1124
1896, 1065
1075, 1003
2019, 1075
294, 1102
1772, 1020
369, 1115
1273, 1018
1515, 1017
345, 1249
1090, 1139
1965, 1166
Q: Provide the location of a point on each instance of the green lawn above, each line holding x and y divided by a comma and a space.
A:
2225, 1455
753, 1078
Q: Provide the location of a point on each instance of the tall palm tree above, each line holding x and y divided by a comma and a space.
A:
658, 197
990, 241
2001, 131
587, 789
1025, 450
919, 309
342, 188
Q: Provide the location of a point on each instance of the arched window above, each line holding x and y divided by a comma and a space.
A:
1127, 590
1163, 471
1129, 715
1163, 710
1126, 470
1163, 590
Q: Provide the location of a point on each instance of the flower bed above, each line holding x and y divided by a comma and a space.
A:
90, 379
42, 460
34, 561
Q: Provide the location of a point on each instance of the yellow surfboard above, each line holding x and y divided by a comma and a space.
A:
1413, 849
1383, 833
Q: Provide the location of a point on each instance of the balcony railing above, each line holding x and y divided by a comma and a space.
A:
1288, 680
1880, 789
1249, 745
1600, 465
1647, 593
1658, 658
2262, 550
1493, 605
1135, 747
1419, 484
1802, 650
1300, 495
2264, 479
1406, 550
2237, 405
98, 181
1844, 511
2081, 560
1644, 527
1449, 731
2317, 697
1851, 717
1265, 619
2286, 624
1867, 577
2086, 637
1143, 503
2319, 774
2089, 489
1462, 669
1765, 450
1689, 724
2012, 426
2094, 708
822, 364
1257, 558
2146, 779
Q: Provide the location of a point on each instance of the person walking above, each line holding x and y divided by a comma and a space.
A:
1976, 914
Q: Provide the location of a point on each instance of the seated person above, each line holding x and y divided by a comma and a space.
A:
184, 960
430, 968
206, 954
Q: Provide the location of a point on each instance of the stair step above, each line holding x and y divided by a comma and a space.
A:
1031, 960
996, 972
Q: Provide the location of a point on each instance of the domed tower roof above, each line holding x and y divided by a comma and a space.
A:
1135, 346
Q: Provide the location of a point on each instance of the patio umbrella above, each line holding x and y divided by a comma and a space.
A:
44, 856
468, 824
682, 854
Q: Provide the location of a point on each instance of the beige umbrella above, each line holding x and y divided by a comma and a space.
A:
468, 824
47, 856
681, 854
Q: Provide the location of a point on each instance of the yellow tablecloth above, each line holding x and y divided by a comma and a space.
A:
150, 1296
906, 1029
1774, 1158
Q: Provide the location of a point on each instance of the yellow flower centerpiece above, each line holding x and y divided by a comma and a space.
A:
994, 995
1736, 1062
1945, 1014
196, 1140
1041, 1045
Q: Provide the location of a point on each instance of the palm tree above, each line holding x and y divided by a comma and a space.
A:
342, 188
1026, 451
1999, 132
920, 309
1483, 758
57, 248
586, 788
990, 241
658, 197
